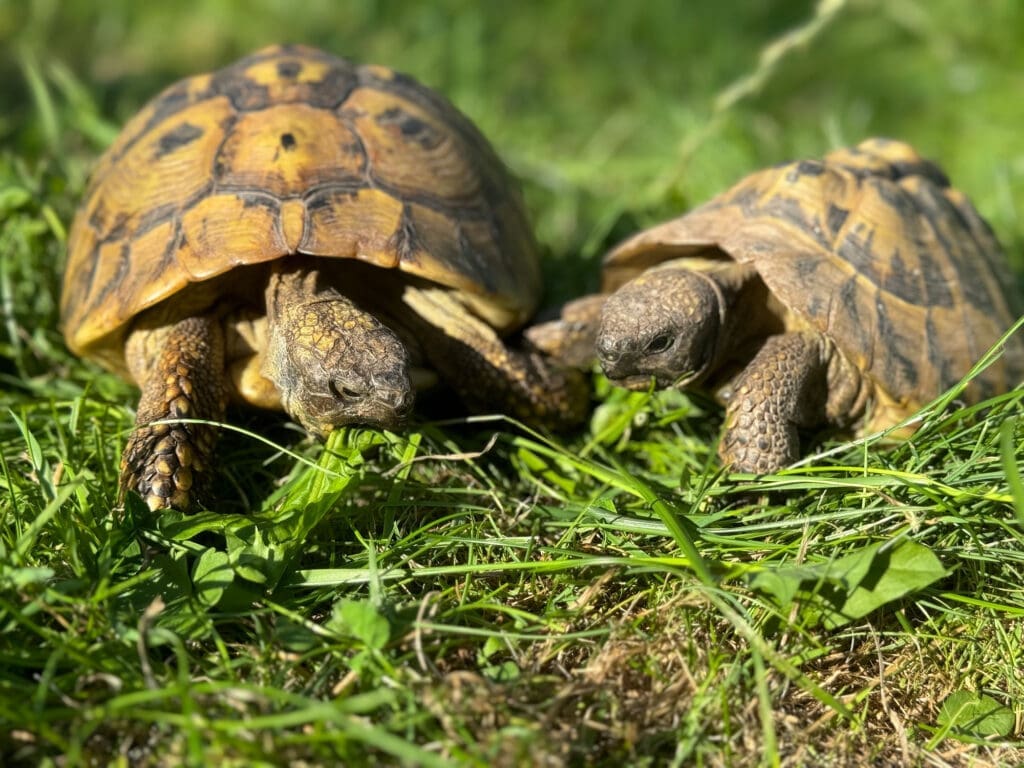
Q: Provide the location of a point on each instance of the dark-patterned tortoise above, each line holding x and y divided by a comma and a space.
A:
296, 231
843, 293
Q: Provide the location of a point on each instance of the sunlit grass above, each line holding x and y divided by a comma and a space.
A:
472, 592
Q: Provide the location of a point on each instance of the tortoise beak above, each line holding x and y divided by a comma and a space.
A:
642, 381
639, 382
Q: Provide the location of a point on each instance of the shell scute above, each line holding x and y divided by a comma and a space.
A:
872, 247
292, 151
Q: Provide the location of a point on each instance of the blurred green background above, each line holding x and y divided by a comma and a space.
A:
613, 114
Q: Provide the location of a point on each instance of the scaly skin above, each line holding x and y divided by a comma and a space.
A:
780, 390
333, 363
682, 327
570, 338
180, 367
487, 373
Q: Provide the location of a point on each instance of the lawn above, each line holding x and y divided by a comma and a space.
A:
470, 592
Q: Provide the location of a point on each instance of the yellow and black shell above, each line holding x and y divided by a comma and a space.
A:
293, 151
871, 247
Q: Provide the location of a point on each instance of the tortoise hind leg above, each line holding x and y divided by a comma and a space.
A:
487, 374
180, 369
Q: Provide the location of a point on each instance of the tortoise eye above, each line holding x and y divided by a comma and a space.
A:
659, 343
341, 391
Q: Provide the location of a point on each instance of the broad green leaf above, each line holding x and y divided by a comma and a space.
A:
835, 593
976, 714
211, 575
252, 558
890, 573
362, 620
321, 486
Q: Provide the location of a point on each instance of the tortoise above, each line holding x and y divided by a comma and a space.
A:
840, 293
298, 231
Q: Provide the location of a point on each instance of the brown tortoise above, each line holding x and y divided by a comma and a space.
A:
298, 231
839, 293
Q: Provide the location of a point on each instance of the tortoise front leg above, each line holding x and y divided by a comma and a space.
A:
783, 388
180, 369
487, 374
570, 338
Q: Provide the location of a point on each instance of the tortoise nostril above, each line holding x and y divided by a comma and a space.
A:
607, 350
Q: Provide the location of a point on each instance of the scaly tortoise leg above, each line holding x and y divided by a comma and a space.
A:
783, 388
180, 369
487, 374
570, 338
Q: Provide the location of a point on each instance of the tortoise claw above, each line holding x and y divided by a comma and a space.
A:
165, 464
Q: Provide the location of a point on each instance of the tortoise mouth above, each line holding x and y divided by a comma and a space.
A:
688, 379
638, 382
382, 419
642, 381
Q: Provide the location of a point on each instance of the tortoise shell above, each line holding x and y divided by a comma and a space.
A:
293, 151
874, 249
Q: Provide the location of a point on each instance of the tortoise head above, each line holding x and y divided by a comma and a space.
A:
665, 324
333, 363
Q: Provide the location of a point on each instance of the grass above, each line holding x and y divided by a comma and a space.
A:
473, 593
